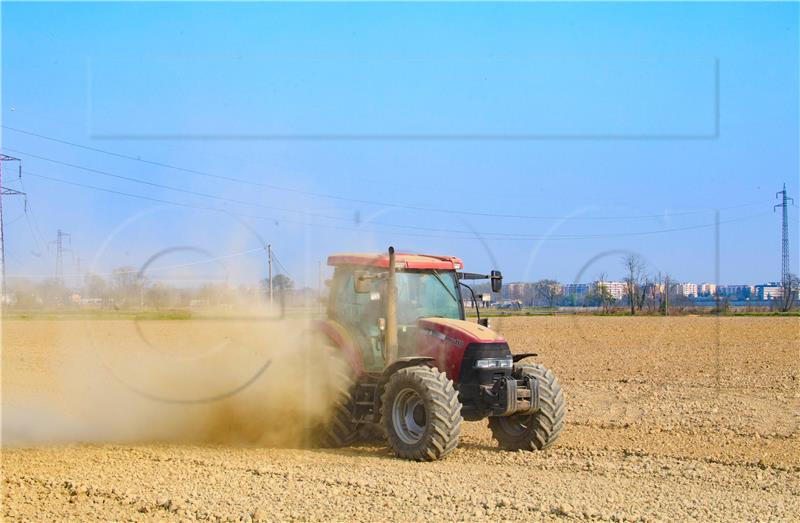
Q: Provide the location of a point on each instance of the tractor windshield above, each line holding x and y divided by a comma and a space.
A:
425, 294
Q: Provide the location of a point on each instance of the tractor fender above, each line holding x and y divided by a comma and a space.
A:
400, 363
409, 361
338, 336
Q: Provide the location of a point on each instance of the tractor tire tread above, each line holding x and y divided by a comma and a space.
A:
340, 430
547, 422
444, 430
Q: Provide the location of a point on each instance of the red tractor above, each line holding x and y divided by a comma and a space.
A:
419, 368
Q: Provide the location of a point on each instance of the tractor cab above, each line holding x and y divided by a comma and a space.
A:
427, 287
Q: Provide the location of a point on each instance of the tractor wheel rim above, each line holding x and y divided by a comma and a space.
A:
409, 416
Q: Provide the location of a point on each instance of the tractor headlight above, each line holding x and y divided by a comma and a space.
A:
494, 363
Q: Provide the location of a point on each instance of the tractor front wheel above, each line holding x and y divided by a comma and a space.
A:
535, 431
421, 413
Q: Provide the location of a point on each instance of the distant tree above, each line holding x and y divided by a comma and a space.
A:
602, 295
653, 291
53, 293
282, 283
641, 297
663, 306
570, 300
548, 291
634, 279
95, 286
679, 302
790, 287
26, 293
126, 286
723, 305
161, 295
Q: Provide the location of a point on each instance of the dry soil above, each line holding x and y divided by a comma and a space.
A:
689, 418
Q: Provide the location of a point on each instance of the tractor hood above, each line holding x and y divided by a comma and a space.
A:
458, 332
449, 342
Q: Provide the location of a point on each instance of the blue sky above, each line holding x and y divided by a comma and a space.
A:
531, 137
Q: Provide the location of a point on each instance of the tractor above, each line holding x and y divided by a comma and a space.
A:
417, 368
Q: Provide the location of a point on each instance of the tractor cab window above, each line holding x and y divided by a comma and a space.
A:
357, 309
360, 314
424, 294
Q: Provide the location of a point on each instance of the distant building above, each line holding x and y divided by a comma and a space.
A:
687, 289
615, 288
519, 291
707, 289
769, 291
576, 290
742, 292
92, 302
197, 303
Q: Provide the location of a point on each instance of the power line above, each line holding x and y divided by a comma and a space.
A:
345, 198
158, 268
170, 187
361, 230
238, 201
30, 218
283, 209
282, 266
33, 226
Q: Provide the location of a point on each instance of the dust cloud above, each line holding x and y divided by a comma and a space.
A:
243, 377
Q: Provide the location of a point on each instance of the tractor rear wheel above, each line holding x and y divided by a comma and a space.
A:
421, 413
338, 429
535, 431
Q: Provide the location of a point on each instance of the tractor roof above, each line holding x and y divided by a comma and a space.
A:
402, 260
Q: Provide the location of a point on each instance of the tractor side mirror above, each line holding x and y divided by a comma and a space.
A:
361, 282
497, 281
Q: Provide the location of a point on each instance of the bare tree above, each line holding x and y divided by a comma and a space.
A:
635, 268
641, 297
652, 291
95, 286
53, 293
158, 295
548, 291
603, 294
664, 305
127, 286
789, 288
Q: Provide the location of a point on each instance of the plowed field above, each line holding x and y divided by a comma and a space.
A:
685, 418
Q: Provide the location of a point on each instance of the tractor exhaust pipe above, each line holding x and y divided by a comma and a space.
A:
390, 341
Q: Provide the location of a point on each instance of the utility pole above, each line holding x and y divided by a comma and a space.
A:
269, 271
785, 268
59, 243
5, 191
